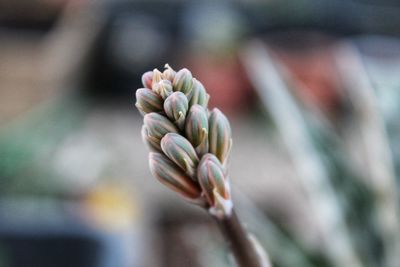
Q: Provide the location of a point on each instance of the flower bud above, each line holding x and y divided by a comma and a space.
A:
183, 82
147, 79
196, 129
210, 174
169, 73
148, 101
219, 135
179, 150
157, 77
176, 106
157, 126
152, 142
199, 95
171, 176
163, 88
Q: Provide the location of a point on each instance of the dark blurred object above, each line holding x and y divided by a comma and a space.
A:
38, 15
41, 232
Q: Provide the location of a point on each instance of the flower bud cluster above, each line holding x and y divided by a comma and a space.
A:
189, 144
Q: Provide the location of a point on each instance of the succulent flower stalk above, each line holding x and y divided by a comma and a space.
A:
190, 149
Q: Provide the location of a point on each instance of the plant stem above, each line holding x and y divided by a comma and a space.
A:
237, 239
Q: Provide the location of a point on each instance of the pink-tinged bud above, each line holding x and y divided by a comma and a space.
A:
157, 126
196, 129
210, 174
163, 88
199, 94
169, 73
147, 79
183, 82
219, 135
179, 150
152, 143
148, 101
176, 106
157, 77
171, 176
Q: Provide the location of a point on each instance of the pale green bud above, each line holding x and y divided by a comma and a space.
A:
196, 129
169, 73
152, 143
219, 135
163, 88
148, 101
210, 174
183, 82
157, 77
147, 79
179, 150
199, 94
171, 176
157, 125
176, 106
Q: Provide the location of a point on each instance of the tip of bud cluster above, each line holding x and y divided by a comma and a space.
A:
176, 106
147, 79
219, 135
183, 82
163, 88
148, 101
179, 150
212, 179
169, 73
157, 77
157, 125
171, 176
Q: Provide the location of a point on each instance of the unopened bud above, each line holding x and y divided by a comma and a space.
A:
183, 82
163, 88
179, 150
171, 176
148, 101
219, 135
157, 125
176, 106
199, 95
157, 77
147, 79
210, 174
152, 143
169, 73
196, 129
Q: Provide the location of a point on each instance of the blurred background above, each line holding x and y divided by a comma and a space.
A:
312, 90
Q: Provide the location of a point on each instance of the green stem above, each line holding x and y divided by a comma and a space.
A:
237, 240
